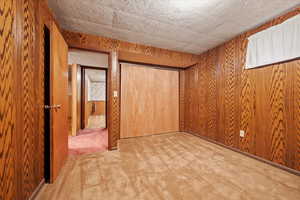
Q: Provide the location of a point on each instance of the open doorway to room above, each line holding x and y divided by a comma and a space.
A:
93, 98
88, 102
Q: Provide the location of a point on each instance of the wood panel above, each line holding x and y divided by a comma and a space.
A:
247, 100
28, 93
211, 72
87, 104
100, 107
73, 104
88, 107
87, 112
113, 100
200, 76
8, 121
130, 51
165, 97
294, 139
264, 102
149, 100
21, 101
230, 89
59, 91
40, 51
181, 99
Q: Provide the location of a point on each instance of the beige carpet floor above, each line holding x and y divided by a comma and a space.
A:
170, 166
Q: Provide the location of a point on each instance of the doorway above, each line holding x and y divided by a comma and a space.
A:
47, 122
93, 98
89, 85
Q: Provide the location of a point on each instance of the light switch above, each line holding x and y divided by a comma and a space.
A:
115, 93
242, 133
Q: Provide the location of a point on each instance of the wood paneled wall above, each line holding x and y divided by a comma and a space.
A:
113, 101
221, 98
8, 117
21, 96
30, 176
130, 51
100, 108
87, 104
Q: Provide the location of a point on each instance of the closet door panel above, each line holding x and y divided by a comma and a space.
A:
149, 100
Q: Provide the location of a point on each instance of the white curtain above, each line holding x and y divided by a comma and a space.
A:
276, 44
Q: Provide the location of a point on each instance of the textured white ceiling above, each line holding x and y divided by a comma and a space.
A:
96, 75
183, 25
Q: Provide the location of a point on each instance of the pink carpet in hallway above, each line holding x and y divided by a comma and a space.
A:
88, 141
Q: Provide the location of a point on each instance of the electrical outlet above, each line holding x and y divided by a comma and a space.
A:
115, 93
242, 133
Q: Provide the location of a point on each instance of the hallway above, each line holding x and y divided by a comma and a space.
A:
89, 140
170, 166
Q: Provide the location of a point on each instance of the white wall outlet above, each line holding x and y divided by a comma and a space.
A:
115, 93
242, 133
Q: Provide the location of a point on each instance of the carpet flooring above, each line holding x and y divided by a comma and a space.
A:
175, 166
88, 141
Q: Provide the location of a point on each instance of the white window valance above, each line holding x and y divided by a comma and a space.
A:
276, 44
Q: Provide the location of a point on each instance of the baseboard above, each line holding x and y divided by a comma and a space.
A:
113, 148
37, 189
290, 170
150, 135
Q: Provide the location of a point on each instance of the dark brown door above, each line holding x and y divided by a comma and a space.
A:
59, 103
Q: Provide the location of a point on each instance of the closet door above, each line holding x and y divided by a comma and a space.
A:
149, 100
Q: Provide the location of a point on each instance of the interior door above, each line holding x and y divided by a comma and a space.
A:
149, 100
59, 102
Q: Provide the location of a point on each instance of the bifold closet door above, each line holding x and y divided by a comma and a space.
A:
149, 100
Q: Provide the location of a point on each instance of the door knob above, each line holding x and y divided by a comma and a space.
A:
53, 106
57, 106
47, 107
